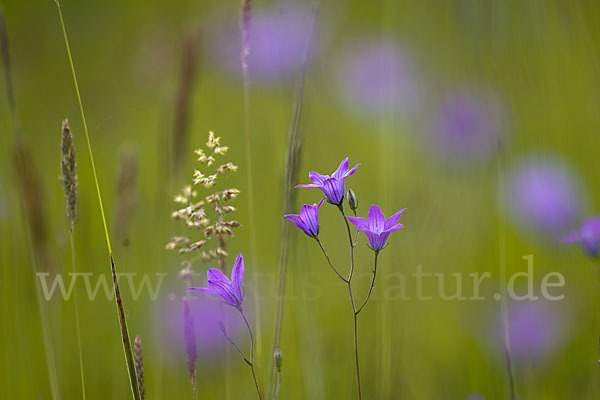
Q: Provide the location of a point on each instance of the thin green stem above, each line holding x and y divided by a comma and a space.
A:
503, 274
352, 244
260, 396
77, 325
119, 302
372, 284
329, 260
230, 340
278, 385
355, 315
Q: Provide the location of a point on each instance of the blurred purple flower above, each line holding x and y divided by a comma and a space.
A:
588, 236
377, 228
308, 219
544, 197
208, 338
276, 42
467, 125
333, 186
229, 290
535, 328
375, 76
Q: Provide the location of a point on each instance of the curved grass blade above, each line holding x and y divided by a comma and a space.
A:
127, 349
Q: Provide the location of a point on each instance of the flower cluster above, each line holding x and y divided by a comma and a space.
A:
377, 228
207, 212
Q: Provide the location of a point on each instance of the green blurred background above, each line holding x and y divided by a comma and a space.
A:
382, 79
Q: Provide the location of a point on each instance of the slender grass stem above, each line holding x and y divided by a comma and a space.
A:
294, 150
245, 33
127, 349
77, 324
48, 348
20, 158
503, 274
258, 390
372, 285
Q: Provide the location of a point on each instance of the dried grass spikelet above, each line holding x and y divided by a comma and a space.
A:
139, 365
127, 197
206, 209
68, 172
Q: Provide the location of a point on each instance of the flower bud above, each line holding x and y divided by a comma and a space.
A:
352, 201
278, 359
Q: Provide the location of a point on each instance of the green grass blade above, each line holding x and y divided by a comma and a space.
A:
119, 302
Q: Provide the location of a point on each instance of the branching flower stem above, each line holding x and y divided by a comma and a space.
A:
348, 281
247, 360
329, 260
352, 303
372, 284
260, 396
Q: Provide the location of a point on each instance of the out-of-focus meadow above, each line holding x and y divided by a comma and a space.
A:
481, 117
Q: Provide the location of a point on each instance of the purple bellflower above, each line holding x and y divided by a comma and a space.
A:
588, 236
308, 219
333, 186
377, 228
229, 290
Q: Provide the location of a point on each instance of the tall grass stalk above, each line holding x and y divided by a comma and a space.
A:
500, 167
127, 348
388, 174
68, 180
77, 324
503, 275
20, 166
245, 16
292, 166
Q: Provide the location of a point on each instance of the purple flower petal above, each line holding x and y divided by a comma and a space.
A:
590, 235
342, 169
317, 178
334, 190
352, 171
237, 276
224, 290
393, 219
214, 274
376, 219
298, 221
393, 228
310, 185
361, 223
